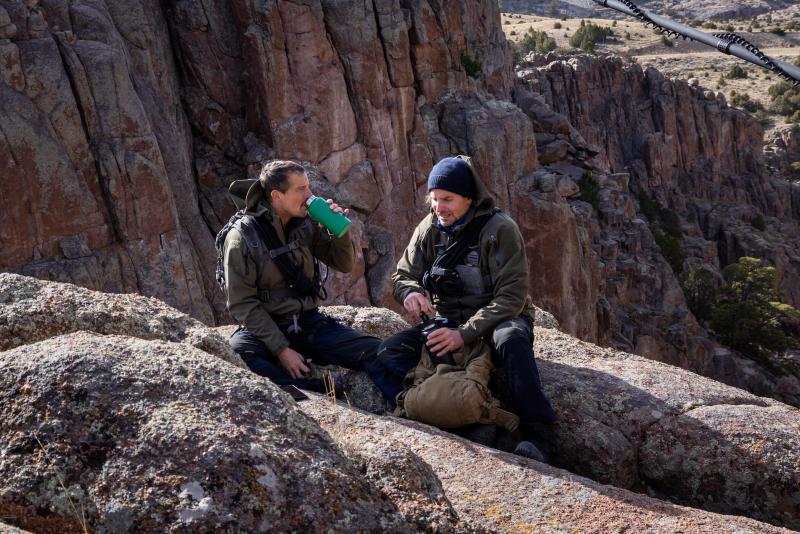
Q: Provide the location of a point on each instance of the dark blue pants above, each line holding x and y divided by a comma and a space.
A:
321, 339
512, 353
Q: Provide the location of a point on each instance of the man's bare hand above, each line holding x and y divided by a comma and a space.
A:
417, 302
294, 363
444, 340
337, 208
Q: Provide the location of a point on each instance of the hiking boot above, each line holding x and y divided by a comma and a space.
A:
483, 434
529, 450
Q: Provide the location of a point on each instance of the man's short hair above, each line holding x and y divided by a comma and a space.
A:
275, 175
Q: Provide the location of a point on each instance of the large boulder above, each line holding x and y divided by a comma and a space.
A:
147, 434
34, 310
498, 492
119, 434
648, 426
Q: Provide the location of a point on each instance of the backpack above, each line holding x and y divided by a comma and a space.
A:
246, 225
262, 244
453, 395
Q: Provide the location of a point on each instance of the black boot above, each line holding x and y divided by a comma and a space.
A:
482, 434
529, 450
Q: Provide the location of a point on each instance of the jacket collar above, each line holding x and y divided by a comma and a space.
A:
454, 228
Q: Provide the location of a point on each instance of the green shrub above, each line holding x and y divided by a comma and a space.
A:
536, 41
777, 31
743, 100
784, 98
671, 249
666, 41
700, 289
665, 225
589, 190
794, 170
588, 35
747, 315
471, 65
710, 25
736, 72
628, 36
557, 26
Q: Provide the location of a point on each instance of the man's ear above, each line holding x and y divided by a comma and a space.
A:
274, 194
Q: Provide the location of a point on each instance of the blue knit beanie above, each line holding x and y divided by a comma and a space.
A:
454, 175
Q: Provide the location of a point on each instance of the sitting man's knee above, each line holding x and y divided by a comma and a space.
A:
513, 330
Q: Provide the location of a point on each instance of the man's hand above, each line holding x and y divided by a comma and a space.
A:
294, 363
417, 302
337, 208
444, 340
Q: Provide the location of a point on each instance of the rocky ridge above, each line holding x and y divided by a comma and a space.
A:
680, 9
714, 181
139, 434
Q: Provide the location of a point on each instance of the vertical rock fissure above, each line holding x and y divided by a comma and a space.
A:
103, 179
386, 58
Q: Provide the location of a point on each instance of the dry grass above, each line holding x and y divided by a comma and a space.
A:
684, 60
80, 517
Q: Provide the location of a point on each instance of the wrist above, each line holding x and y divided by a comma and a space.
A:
467, 336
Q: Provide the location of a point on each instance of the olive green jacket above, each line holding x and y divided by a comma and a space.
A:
256, 314
502, 262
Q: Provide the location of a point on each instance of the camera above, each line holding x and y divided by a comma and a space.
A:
430, 325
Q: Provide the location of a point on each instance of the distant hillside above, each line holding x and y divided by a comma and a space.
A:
684, 9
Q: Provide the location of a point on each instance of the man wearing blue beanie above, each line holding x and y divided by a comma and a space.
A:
466, 262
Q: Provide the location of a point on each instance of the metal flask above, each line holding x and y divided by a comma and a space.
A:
319, 210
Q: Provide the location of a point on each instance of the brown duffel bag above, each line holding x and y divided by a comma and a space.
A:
451, 396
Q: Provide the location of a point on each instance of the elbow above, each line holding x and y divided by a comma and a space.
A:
347, 266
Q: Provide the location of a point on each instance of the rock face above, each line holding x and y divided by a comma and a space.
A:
119, 434
622, 125
123, 124
638, 424
713, 178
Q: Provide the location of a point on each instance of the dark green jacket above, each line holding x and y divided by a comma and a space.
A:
502, 262
259, 315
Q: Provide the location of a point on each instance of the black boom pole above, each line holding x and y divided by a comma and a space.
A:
727, 43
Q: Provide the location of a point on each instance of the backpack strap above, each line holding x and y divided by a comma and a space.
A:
247, 227
294, 245
292, 273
